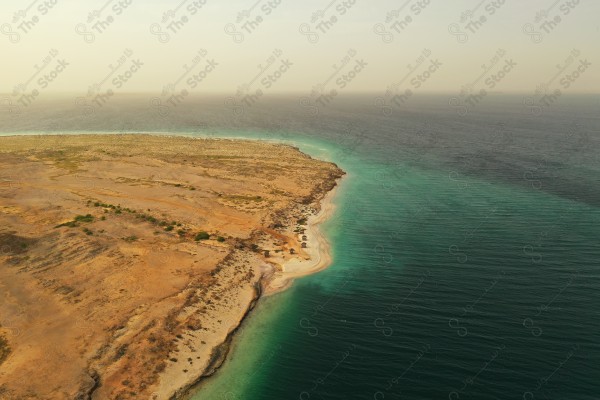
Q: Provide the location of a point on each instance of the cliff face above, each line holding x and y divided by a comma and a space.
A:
127, 261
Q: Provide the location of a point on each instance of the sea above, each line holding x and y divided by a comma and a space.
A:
465, 243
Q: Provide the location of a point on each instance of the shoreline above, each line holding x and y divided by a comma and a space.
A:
319, 258
218, 355
318, 249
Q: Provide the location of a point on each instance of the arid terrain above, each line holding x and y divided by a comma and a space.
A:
127, 261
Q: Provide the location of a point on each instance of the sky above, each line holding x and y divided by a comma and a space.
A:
253, 47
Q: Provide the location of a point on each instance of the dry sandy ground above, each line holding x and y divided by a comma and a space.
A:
106, 289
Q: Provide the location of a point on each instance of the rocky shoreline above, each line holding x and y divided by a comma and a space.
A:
321, 200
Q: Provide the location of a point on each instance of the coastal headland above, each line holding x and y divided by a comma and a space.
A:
128, 261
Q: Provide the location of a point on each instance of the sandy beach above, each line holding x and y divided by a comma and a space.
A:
317, 254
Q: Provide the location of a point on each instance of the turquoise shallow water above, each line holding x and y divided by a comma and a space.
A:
441, 288
466, 253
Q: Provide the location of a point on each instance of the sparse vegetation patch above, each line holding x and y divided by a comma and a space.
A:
202, 236
4, 349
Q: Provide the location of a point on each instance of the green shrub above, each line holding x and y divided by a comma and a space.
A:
84, 218
70, 224
4, 349
202, 236
78, 218
220, 239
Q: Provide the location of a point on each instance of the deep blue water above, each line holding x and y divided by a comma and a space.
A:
466, 249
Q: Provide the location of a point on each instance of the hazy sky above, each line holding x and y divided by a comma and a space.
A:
288, 45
